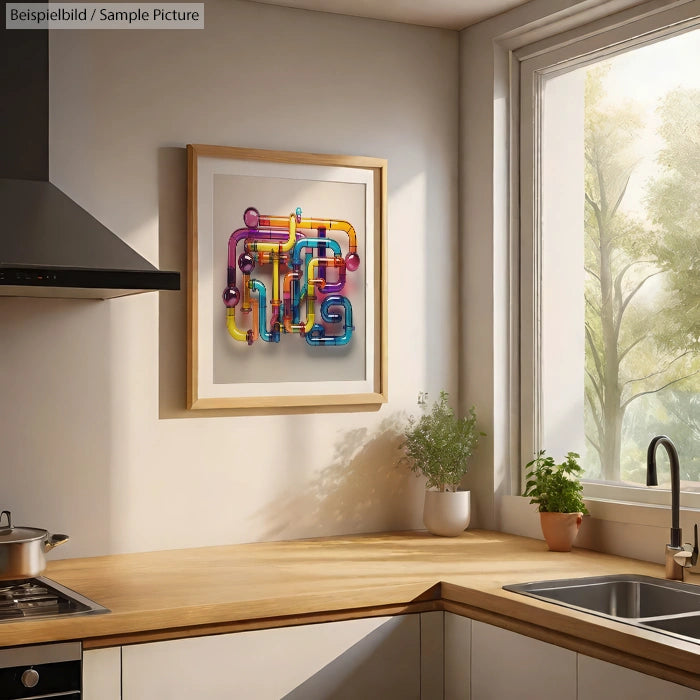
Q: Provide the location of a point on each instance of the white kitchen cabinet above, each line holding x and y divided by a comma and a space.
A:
509, 665
427, 656
458, 638
432, 655
600, 680
366, 658
102, 674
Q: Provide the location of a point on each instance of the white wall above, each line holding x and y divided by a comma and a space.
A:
95, 438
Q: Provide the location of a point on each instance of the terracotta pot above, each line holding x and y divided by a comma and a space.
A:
447, 513
560, 529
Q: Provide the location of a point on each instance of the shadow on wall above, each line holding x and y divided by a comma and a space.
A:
172, 237
361, 490
383, 664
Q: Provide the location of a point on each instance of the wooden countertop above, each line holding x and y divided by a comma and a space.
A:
181, 593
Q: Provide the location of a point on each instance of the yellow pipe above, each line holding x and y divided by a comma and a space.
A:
276, 246
310, 314
312, 281
246, 306
275, 280
311, 278
288, 325
314, 224
235, 332
331, 225
310, 296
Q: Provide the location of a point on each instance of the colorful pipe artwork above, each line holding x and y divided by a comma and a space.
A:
296, 256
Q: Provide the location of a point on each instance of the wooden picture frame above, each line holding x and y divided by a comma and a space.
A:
253, 205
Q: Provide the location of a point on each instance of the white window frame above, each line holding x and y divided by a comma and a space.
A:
530, 65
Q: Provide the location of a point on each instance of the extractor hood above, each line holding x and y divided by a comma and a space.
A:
49, 245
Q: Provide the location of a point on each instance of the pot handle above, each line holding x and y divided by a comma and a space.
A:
9, 518
54, 541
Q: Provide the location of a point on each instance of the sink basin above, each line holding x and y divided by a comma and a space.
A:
626, 596
688, 626
646, 602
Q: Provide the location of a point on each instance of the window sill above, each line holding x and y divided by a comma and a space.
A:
649, 514
633, 530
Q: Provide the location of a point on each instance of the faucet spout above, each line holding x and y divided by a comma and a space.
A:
652, 480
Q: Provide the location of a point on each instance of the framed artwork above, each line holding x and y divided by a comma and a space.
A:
287, 279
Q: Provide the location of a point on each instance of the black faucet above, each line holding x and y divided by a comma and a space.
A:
652, 480
677, 557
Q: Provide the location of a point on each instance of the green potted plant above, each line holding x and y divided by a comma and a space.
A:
438, 446
558, 493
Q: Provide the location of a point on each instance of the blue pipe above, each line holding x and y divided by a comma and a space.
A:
317, 335
267, 336
312, 243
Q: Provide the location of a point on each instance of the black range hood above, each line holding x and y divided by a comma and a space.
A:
49, 245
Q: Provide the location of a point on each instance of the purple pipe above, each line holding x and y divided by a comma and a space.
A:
333, 287
257, 234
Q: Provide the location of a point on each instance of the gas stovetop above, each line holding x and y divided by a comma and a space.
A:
41, 597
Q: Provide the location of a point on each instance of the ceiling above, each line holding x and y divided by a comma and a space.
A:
447, 14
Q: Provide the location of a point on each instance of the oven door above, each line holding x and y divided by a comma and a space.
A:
41, 672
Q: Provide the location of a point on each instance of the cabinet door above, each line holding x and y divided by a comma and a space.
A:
600, 680
102, 674
509, 665
458, 638
367, 658
432, 655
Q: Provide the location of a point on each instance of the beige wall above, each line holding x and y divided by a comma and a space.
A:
96, 441
95, 438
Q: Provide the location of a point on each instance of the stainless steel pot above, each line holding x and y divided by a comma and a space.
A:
22, 549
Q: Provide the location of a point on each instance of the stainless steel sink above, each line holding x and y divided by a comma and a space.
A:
624, 595
670, 607
687, 626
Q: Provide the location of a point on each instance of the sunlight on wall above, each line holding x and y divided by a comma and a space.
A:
159, 476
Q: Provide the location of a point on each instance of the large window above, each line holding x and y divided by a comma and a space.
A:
610, 218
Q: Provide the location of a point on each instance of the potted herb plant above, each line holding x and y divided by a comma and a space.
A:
438, 446
557, 491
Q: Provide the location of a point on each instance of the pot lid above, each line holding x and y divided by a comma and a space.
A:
9, 534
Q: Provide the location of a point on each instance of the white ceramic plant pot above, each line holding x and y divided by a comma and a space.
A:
447, 513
